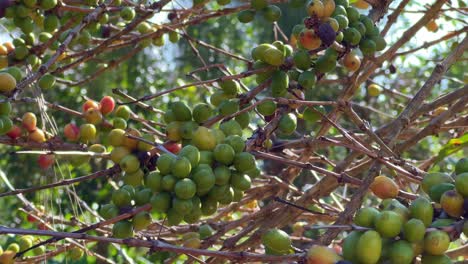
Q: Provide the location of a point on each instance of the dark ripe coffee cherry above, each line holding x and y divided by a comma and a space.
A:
151, 165
439, 213
171, 16
326, 34
4, 4
143, 156
269, 118
465, 208
105, 31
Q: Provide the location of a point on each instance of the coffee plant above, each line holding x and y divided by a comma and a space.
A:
259, 131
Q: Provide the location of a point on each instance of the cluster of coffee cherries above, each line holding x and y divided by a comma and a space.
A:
97, 130
40, 20
399, 233
396, 232
200, 170
329, 22
106, 128
5, 122
8, 80
16, 245
28, 124
22, 243
5, 49
9, 77
26, 15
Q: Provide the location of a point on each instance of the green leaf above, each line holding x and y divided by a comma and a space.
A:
452, 146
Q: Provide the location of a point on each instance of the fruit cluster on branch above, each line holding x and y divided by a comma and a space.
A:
188, 180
